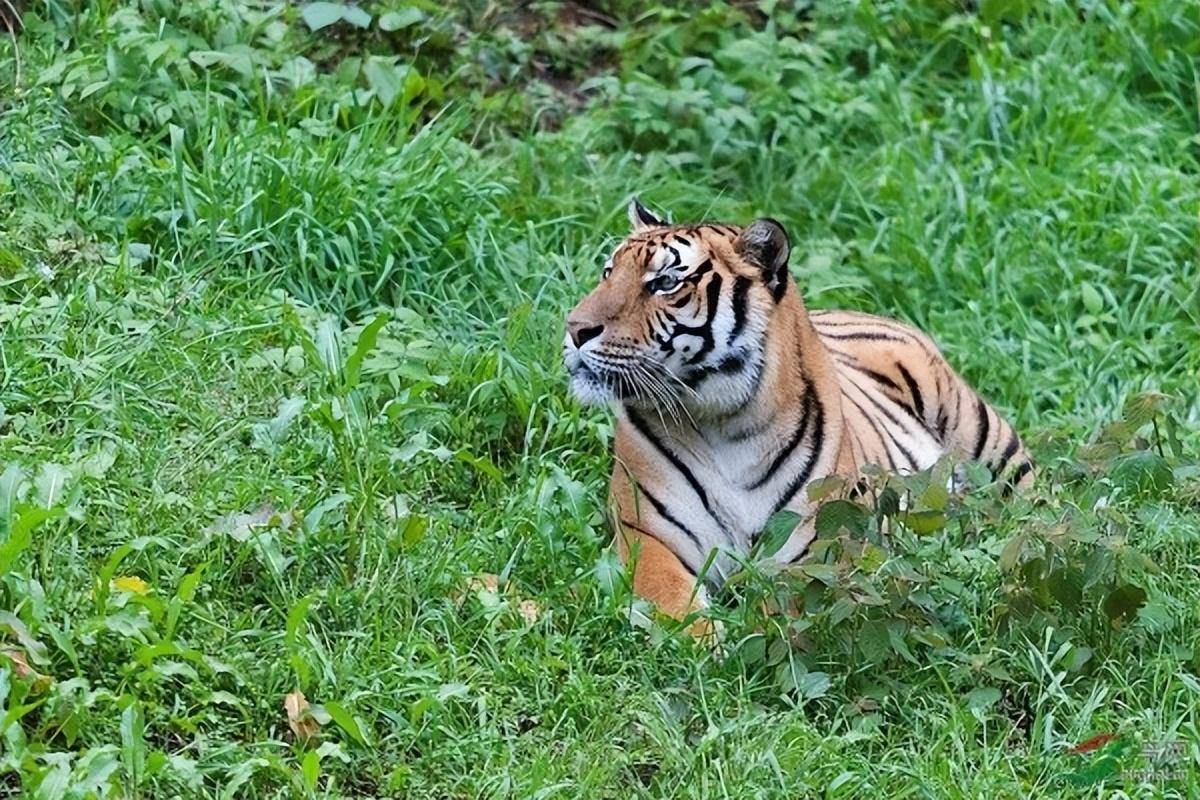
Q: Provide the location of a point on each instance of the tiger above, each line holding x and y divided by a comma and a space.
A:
731, 397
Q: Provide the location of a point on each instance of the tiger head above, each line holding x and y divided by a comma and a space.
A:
679, 319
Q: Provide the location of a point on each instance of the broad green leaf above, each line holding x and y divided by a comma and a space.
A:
981, 699
133, 743
825, 573
1122, 603
269, 435
888, 503
312, 520
50, 484
12, 489
1143, 473
836, 515
328, 341
310, 768
321, 15
481, 463
395, 20
21, 534
935, 497
776, 532
1143, 407
1066, 586
293, 634
363, 347
346, 721
873, 641
752, 650
356, 16
924, 523
33, 648
1011, 552
820, 489
414, 529
384, 78
813, 685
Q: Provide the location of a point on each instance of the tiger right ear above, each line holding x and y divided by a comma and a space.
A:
640, 216
764, 243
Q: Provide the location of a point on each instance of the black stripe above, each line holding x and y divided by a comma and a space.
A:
871, 421
662, 512
878, 377
887, 413
645, 532
912, 462
681, 240
668, 454
981, 440
874, 336
814, 455
1011, 484
1009, 451
740, 287
865, 321
918, 401
901, 332
780, 280
704, 330
805, 414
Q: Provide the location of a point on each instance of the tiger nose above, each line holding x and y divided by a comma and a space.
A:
583, 332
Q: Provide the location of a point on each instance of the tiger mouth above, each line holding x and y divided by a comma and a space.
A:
597, 385
590, 385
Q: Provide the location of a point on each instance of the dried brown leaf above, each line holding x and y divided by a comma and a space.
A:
486, 582
20, 666
304, 726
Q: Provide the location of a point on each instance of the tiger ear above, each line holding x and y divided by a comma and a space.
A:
640, 216
764, 243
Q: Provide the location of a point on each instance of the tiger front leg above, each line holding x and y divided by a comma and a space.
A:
661, 577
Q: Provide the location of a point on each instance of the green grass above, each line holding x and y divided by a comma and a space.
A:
192, 248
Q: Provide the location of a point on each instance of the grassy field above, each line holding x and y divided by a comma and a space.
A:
281, 406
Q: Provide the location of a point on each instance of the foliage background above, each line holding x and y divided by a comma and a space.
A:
280, 404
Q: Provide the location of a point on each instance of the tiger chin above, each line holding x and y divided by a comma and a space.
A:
731, 397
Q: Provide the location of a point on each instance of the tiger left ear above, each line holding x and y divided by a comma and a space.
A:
764, 243
640, 216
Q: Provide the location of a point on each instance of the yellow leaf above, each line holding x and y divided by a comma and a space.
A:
130, 583
304, 726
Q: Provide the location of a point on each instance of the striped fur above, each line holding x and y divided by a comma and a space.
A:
731, 397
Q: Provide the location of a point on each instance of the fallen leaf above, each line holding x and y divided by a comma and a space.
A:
20, 666
304, 726
484, 582
21, 669
530, 611
1094, 743
130, 583
240, 525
